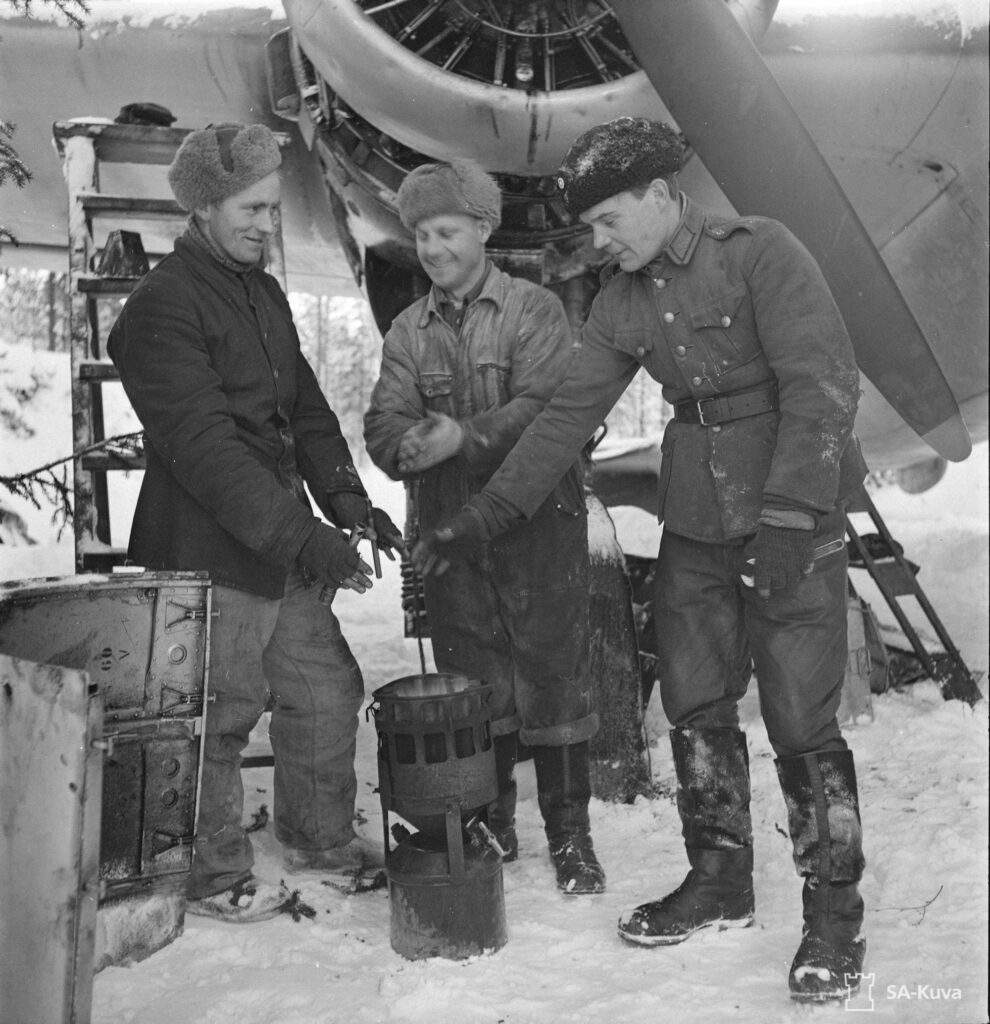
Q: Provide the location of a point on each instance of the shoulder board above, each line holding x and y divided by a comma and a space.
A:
725, 227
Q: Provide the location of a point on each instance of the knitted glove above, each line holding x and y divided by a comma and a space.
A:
349, 508
388, 535
329, 556
453, 541
779, 557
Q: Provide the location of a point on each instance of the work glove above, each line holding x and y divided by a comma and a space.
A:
348, 508
334, 561
778, 557
385, 533
452, 541
351, 510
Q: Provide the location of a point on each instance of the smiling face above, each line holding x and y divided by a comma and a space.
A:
241, 224
451, 248
634, 228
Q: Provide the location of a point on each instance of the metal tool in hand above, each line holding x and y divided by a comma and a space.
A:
822, 551
368, 530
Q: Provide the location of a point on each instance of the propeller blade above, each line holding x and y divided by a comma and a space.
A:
735, 116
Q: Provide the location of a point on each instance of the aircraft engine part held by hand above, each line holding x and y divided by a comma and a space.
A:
459, 537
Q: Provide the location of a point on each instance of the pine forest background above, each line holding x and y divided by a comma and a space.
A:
338, 336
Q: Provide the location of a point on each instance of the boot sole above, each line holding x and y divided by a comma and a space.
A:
824, 997
723, 924
595, 891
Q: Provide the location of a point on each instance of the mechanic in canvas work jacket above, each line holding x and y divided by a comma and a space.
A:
734, 318
235, 426
464, 371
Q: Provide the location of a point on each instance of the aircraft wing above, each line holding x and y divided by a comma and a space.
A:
894, 104
207, 69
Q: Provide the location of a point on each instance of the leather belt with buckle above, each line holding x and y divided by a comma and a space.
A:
722, 408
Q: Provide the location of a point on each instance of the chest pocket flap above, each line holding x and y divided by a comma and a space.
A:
720, 312
435, 385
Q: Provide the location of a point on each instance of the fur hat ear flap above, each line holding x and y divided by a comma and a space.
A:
217, 162
460, 186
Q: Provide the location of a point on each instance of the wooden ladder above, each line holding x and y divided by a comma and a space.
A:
84, 147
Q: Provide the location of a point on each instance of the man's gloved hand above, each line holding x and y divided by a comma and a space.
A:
452, 541
778, 557
331, 558
387, 535
429, 442
348, 509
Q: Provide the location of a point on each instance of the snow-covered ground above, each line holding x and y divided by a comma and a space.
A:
923, 772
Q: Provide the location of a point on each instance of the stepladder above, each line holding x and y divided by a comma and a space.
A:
122, 218
896, 578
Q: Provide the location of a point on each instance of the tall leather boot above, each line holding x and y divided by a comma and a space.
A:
502, 810
563, 785
713, 801
823, 816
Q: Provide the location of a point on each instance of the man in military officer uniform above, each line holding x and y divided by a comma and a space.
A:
734, 318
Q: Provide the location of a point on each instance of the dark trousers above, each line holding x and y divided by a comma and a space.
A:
713, 632
516, 616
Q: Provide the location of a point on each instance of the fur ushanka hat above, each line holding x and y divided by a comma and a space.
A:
614, 157
217, 162
460, 186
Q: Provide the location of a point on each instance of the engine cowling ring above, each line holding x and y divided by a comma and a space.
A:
445, 115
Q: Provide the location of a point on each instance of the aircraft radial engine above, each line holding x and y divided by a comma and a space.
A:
378, 87
381, 86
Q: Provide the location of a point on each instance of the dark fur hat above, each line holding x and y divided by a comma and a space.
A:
460, 186
614, 157
217, 162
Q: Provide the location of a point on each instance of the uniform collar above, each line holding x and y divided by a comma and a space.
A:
681, 246
492, 289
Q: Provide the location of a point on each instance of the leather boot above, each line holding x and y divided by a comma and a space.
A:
502, 810
713, 801
563, 788
823, 816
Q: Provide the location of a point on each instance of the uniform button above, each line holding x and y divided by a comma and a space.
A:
726, 320
696, 381
641, 351
276, 374
680, 350
716, 429
668, 318
660, 282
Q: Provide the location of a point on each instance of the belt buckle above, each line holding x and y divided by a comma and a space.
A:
699, 405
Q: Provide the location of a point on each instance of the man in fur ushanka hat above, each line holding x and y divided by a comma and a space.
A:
759, 463
236, 430
465, 369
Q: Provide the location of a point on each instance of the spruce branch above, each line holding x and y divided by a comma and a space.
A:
75, 10
50, 482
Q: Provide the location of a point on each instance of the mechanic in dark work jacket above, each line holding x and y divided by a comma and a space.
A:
235, 426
